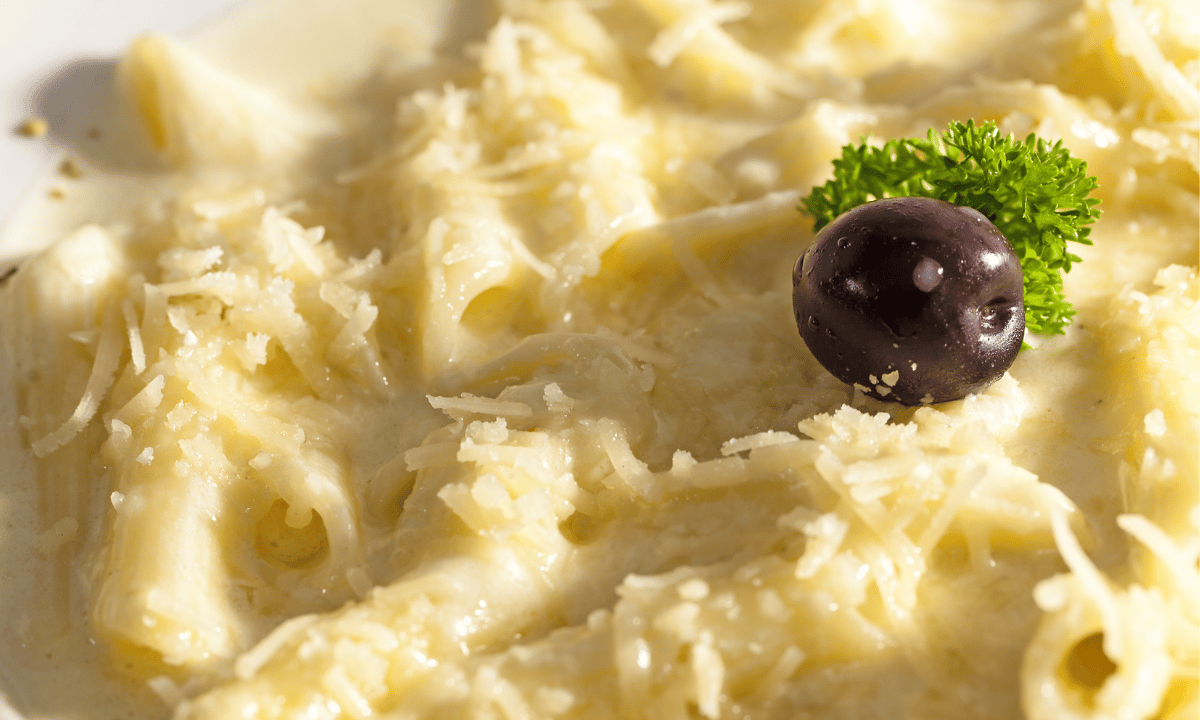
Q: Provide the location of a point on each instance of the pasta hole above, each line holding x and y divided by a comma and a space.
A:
1087, 667
291, 547
387, 490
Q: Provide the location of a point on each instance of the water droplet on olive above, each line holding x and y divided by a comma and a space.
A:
928, 285
927, 275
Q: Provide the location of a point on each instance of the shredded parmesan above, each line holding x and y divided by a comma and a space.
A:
104, 368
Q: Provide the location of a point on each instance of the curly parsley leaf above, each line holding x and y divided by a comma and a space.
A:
1034, 192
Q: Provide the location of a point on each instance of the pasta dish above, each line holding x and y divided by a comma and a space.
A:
468, 386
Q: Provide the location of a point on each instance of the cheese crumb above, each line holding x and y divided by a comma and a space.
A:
693, 589
166, 689
556, 400
69, 168
33, 127
180, 415
1155, 423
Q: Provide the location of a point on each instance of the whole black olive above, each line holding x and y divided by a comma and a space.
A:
911, 299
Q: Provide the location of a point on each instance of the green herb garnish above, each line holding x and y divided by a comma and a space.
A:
1034, 192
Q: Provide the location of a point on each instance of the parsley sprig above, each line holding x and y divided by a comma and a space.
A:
1034, 192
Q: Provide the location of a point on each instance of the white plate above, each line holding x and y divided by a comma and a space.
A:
56, 59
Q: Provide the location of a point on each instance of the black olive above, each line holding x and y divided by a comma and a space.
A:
911, 300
